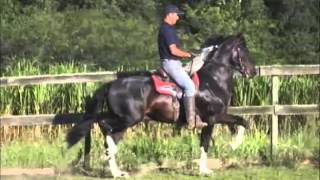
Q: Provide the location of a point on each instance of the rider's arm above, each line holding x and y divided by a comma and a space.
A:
178, 52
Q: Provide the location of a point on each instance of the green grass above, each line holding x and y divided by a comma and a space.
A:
137, 149
39, 153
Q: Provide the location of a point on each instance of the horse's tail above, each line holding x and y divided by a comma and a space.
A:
92, 105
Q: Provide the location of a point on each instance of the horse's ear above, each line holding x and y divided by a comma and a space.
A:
239, 38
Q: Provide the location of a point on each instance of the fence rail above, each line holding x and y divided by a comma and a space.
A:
54, 119
57, 79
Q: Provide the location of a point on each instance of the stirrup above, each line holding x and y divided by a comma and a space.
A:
197, 124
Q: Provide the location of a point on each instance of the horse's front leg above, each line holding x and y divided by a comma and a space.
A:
238, 139
236, 124
206, 133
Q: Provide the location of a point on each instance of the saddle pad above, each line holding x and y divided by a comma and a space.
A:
196, 80
163, 87
170, 88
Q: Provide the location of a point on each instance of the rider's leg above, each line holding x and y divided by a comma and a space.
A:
175, 70
193, 120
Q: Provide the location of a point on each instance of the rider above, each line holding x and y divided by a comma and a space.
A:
170, 55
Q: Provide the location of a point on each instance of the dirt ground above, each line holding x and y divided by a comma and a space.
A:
145, 170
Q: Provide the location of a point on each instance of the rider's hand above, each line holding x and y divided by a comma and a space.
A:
193, 55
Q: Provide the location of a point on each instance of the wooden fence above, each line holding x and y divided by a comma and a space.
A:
275, 110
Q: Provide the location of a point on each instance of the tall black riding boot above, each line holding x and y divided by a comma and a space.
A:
193, 121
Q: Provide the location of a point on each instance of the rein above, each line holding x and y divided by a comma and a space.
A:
213, 60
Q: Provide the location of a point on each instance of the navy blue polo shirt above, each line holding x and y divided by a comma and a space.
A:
167, 36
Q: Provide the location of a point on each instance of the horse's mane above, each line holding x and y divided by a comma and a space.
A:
214, 40
219, 41
124, 74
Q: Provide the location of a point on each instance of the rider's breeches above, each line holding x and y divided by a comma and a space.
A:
175, 70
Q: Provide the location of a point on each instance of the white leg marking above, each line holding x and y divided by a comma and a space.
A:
112, 150
112, 147
203, 163
238, 139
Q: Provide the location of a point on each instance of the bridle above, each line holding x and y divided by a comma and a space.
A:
213, 57
238, 61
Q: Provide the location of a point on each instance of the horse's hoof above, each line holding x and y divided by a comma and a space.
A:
206, 172
105, 157
121, 174
233, 146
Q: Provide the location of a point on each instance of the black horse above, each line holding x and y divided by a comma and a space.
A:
132, 99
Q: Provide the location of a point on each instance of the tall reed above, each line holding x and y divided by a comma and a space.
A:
69, 98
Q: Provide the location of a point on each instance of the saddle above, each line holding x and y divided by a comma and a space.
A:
164, 85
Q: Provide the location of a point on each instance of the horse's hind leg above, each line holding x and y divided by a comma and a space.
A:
123, 113
111, 141
111, 151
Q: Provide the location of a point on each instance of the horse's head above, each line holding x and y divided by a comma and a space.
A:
234, 53
241, 59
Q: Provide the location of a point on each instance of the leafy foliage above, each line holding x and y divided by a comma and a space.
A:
123, 33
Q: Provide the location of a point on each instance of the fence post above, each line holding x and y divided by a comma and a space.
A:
274, 122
